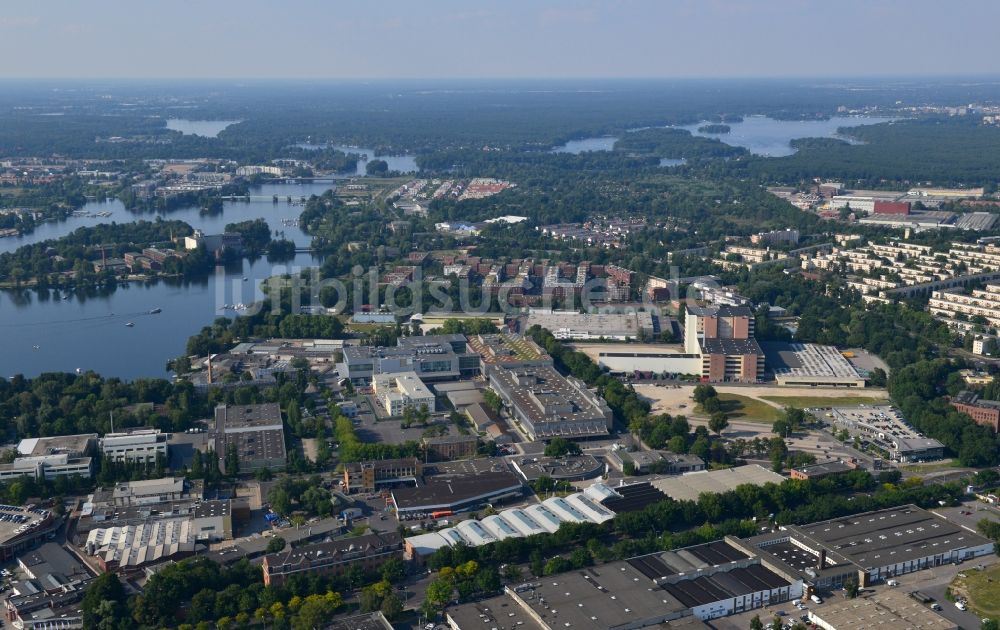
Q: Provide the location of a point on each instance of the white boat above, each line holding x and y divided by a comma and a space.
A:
130, 324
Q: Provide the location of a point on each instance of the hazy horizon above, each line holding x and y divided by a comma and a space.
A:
517, 40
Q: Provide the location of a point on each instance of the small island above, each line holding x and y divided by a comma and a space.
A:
714, 129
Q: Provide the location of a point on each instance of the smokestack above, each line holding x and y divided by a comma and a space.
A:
822, 559
209, 368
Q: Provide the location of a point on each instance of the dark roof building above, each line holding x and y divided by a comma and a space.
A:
821, 470
332, 558
255, 431
548, 404
456, 492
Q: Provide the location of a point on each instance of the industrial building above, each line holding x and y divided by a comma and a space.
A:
367, 552
451, 493
591, 326
885, 427
547, 404
399, 391
675, 589
143, 492
872, 546
131, 547
663, 462
49, 597
431, 358
566, 468
733, 575
821, 470
887, 608
688, 487
256, 432
545, 517
810, 365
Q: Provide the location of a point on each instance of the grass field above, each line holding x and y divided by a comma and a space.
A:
934, 467
738, 407
982, 588
803, 402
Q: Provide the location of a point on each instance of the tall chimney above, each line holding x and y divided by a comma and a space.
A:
821, 564
209, 368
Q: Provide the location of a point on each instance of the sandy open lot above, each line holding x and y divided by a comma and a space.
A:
669, 399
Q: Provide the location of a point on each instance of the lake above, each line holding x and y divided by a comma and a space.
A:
769, 137
602, 143
206, 128
88, 330
758, 134
401, 163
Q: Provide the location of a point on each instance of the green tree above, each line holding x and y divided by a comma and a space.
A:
756, 623
232, 460
105, 598
703, 392
718, 422
275, 545
851, 587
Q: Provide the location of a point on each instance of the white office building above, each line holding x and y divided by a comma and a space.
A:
401, 391
141, 446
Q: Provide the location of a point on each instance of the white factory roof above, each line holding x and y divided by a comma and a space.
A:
546, 517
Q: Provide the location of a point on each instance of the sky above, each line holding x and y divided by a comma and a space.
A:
385, 39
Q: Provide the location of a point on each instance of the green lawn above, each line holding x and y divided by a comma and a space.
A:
803, 402
982, 588
739, 407
932, 467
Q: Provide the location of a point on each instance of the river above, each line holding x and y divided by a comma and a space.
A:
44, 333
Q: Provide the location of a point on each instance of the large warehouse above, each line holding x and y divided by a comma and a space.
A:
810, 365
716, 579
675, 589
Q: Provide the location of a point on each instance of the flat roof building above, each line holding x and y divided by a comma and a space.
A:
821, 470
47, 467
143, 446
589, 326
72, 445
872, 546
547, 404
688, 487
255, 431
810, 365
885, 427
430, 357
882, 609
399, 391
366, 552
